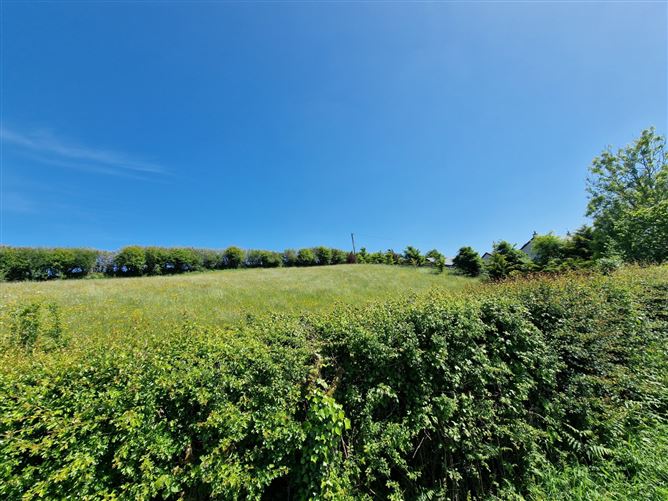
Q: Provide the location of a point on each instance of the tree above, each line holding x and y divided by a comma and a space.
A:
628, 193
339, 256
506, 261
290, 257
548, 249
580, 245
131, 261
468, 262
412, 256
323, 255
305, 257
362, 256
434, 254
233, 257
392, 257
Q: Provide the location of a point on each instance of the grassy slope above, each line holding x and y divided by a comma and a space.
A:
104, 305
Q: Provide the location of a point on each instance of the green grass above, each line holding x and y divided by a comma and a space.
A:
214, 298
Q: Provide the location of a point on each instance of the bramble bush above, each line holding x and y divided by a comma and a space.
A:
437, 396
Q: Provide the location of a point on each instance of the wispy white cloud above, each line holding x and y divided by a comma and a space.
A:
47, 148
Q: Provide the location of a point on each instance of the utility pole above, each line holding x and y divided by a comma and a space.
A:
352, 237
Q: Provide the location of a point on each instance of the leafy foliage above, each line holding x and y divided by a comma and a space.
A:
506, 261
306, 257
434, 396
468, 261
628, 199
413, 257
233, 257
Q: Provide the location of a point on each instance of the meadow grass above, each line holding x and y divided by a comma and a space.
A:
96, 306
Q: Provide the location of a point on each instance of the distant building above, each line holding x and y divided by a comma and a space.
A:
448, 262
527, 248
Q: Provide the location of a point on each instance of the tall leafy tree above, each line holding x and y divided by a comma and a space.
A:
413, 256
628, 199
468, 262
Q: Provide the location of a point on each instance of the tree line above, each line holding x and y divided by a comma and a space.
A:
29, 263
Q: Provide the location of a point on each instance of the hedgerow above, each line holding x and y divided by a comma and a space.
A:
434, 396
29, 263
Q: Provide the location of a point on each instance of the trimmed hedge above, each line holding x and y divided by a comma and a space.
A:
27, 263
434, 396
22, 263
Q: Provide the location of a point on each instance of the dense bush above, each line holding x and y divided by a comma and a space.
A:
289, 257
233, 257
506, 261
430, 397
24, 263
413, 257
130, 261
339, 256
306, 257
468, 262
263, 259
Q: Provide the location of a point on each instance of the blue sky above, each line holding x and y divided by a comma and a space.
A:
276, 125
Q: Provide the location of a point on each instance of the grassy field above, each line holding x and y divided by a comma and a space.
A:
213, 298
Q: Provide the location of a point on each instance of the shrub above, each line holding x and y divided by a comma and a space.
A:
156, 260
306, 257
130, 261
233, 257
210, 259
189, 416
413, 257
35, 323
272, 259
376, 258
17, 263
254, 259
434, 254
289, 257
362, 255
580, 245
339, 256
607, 265
506, 261
468, 261
263, 259
548, 248
185, 260
323, 255
392, 257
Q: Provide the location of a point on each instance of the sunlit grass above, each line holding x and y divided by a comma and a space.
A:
99, 306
